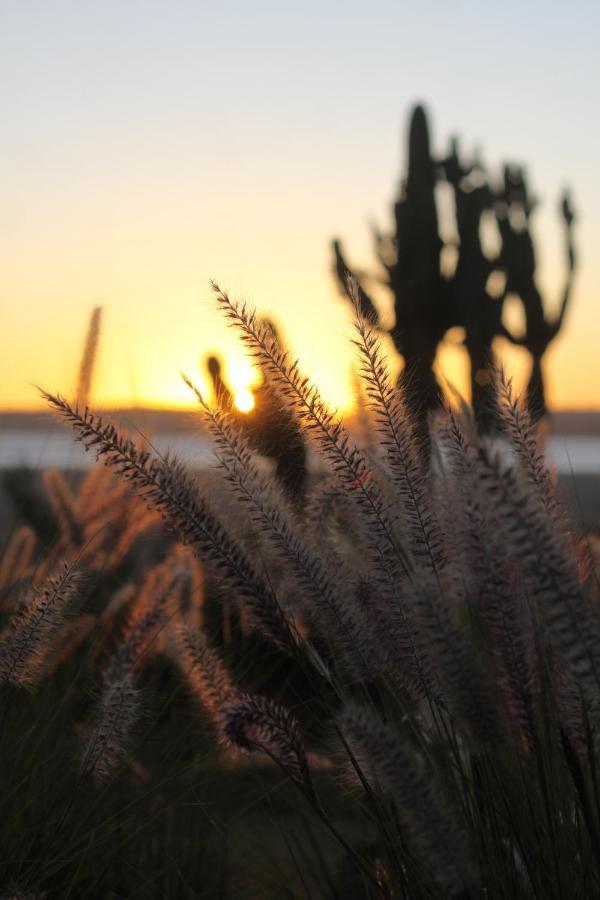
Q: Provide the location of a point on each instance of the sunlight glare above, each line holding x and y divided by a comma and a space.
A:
242, 376
243, 400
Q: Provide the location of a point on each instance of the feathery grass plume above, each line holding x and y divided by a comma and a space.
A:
25, 642
192, 593
455, 443
111, 730
205, 673
364, 419
329, 515
524, 534
158, 583
453, 659
433, 835
328, 604
405, 457
63, 504
134, 526
393, 651
98, 494
346, 459
118, 600
321, 510
69, 639
521, 431
456, 437
88, 359
361, 649
570, 710
144, 624
461, 507
449, 505
94, 539
507, 615
16, 561
93, 489
257, 723
279, 433
165, 484
507, 618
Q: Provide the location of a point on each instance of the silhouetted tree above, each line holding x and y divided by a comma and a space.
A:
411, 259
427, 303
477, 310
517, 259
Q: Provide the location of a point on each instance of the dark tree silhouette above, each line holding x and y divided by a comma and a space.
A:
476, 309
411, 259
427, 303
517, 259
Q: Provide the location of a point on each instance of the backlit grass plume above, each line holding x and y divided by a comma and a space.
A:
110, 732
88, 359
25, 642
257, 723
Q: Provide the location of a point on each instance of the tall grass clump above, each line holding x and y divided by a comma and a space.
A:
435, 620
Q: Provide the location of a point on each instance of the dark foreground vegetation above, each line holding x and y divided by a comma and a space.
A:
387, 688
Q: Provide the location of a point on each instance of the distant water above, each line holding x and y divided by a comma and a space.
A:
58, 450
577, 453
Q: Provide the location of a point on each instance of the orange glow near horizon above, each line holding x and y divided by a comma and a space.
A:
148, 148
160, 316
330, 364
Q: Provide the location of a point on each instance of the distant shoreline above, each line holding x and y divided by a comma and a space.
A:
155, 421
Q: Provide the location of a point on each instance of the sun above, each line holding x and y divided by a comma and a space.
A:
243, 400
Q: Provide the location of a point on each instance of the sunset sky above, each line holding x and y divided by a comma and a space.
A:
147, 147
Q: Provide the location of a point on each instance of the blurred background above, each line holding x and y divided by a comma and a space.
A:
148, 147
